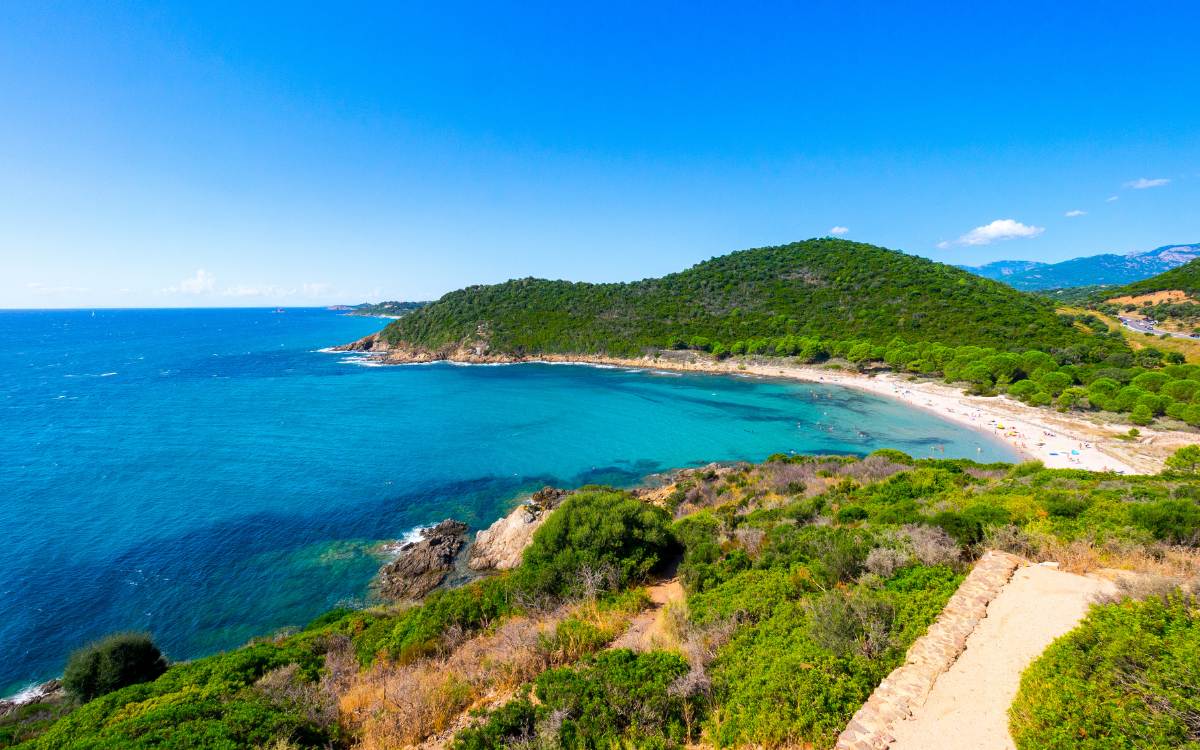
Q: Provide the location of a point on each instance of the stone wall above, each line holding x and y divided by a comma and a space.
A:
908, 685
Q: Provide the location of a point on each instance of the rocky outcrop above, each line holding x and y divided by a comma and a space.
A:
422, 566
499, 546
47, 692
373, 343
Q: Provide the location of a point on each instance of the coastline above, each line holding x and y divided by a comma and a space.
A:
1058, 440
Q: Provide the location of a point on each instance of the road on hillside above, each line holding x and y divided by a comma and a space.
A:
1142, 325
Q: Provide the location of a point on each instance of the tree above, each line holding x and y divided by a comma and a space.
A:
1141, 414
1186, 460
112, 663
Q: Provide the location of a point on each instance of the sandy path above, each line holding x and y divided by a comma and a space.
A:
968, 706
647, 629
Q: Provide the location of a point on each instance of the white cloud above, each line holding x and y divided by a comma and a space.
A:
204, 283
1112, 199
201, 282
272, 291
1075, 212
1142, 183
1000, 229
839, 229
37, 287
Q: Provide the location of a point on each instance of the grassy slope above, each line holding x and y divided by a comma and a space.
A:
819, 288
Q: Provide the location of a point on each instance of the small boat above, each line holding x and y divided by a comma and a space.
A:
278, 310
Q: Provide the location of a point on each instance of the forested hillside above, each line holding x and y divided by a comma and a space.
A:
821, 288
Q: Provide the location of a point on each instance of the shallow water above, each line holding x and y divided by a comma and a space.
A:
208, 476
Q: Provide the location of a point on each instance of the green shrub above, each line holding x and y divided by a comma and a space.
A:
209, 702
417, 631
1125, 678
112, 663
601, 532
1172, 520
617, 697
852, 513
513, 721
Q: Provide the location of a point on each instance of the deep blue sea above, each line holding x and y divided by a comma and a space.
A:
209, 476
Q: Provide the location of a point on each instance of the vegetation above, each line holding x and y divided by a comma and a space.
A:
597, 540
387, 309
1126, 678
805, 581
818, 290
824, 300
112, 663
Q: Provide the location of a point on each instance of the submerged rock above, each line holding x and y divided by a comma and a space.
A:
423, 565
499, 546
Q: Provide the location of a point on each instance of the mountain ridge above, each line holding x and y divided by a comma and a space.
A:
1090, 270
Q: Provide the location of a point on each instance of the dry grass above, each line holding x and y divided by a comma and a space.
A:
403, 705
770, 484
1153, 298
1083, 555
1189, 348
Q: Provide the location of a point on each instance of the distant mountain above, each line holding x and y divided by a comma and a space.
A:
1185, 278
1107, 269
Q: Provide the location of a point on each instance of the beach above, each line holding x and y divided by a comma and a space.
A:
1058, 440
1068, 440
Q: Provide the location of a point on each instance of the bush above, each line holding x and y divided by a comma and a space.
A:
851, 513
112, 663
418, 631
1125, 678
599, 532
514, 720
617, 698
1171, 520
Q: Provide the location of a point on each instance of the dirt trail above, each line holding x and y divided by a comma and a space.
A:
968, 706
648, 628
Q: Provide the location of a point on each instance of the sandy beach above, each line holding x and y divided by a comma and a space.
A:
1070, 440
1058, 440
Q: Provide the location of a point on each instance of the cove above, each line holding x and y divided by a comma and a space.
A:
209, 476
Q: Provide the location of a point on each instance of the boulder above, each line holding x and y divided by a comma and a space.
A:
422, 565
499, 546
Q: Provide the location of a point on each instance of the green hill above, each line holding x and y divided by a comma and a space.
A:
823, 288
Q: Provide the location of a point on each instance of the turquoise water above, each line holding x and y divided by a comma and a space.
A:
208, 476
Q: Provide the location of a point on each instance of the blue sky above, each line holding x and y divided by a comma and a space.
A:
179, 154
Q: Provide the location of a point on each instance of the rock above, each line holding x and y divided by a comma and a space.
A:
423, 565
370, 343
499, 546
48, 692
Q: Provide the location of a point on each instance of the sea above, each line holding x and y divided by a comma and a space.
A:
210, 476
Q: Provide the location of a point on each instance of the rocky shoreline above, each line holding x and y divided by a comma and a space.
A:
430, 563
